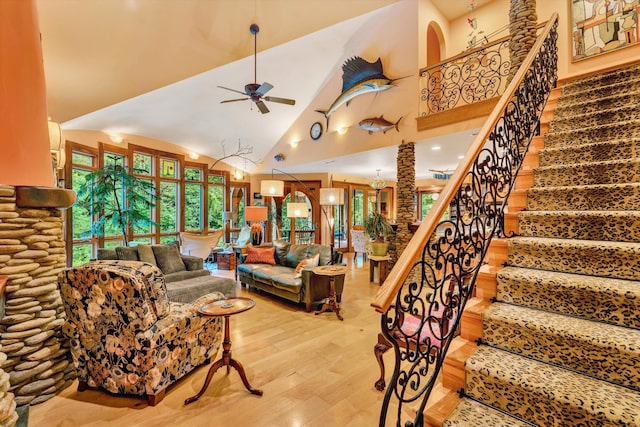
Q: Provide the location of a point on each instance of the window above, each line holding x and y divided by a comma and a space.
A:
194, 199
188, 198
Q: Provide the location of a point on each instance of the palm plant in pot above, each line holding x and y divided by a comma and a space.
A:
379, 229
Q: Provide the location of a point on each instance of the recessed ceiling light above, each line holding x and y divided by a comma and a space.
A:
461, 156
435, 147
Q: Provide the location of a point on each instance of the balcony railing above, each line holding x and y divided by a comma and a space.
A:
435, 275
472, 76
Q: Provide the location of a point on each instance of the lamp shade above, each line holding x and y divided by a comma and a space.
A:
297, 210
272, 187
331, 196
255, 213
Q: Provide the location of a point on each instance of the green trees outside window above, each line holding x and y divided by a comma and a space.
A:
159, 196
118, 199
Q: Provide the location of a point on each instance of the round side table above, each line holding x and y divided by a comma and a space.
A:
332, 271
225, 307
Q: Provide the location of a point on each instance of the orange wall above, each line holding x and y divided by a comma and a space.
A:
25, 157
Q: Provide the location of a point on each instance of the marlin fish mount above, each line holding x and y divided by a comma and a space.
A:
359, 77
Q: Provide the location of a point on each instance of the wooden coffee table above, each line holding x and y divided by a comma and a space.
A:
332, 271
225, 307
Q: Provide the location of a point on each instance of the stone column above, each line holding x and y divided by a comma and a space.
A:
522, 28
8, 414
406, 171
32, 253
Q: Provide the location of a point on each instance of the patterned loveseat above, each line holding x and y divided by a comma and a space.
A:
126, 336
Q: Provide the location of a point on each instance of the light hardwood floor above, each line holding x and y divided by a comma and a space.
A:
314, 371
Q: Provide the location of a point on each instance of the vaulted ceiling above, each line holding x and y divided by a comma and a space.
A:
152, 67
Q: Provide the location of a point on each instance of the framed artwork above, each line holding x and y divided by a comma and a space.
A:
257, 196
602, 26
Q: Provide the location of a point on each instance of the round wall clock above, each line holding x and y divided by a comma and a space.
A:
316, 131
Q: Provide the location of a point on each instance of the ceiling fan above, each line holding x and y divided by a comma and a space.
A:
254, 91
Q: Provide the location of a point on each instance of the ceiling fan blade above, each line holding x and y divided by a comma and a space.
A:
262, 107
233, 100
232, 90
264, 88
280, 100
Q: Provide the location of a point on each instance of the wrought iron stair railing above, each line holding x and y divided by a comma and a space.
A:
435, 275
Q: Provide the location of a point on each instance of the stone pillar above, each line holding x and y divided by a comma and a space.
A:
522, 28
406, 171
32, 253
8, 414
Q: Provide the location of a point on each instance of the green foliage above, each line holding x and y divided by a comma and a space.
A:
119, 199
377, 227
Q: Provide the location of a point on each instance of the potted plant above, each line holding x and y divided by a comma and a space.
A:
120, 199
379, 229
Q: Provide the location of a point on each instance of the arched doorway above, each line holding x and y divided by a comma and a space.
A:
305, 228
435, 50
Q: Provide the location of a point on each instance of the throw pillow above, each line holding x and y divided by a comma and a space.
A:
260, 255
145, 253
127, 253
168, 258
308, 263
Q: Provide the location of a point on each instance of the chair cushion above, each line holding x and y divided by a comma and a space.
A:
260, 255
145, 253
306, 263
168, 258
126, 253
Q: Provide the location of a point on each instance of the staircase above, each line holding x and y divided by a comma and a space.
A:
560, 343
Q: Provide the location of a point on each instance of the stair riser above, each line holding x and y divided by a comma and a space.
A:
597, 260
628, 149
545, 338
606, 198
528, 391
606, 81
605, 300
618, 227
588, 174
595, 119
616, 131
597, 105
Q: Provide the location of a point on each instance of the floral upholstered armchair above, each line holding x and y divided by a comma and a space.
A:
126, 337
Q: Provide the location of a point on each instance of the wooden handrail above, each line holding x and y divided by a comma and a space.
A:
387, 293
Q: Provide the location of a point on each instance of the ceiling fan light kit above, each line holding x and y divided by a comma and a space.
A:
253, 91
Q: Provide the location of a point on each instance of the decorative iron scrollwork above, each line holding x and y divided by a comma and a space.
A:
442, 279
475, 77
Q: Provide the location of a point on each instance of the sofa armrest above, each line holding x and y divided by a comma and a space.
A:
192, 262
